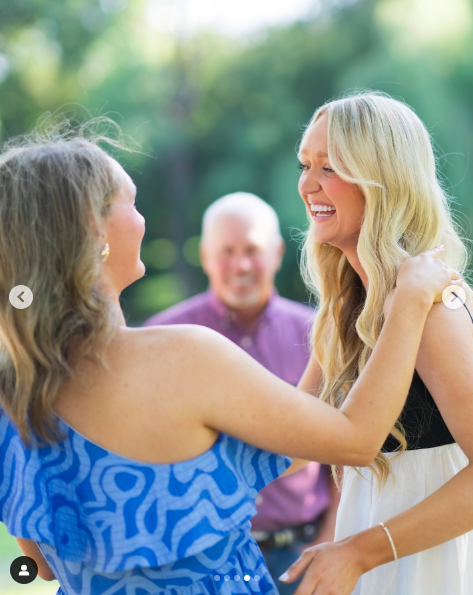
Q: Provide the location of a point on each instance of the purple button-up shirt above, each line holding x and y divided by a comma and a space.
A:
279, 342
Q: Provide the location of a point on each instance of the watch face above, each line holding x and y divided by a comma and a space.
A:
24, 570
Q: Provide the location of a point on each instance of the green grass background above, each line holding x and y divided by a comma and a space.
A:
9, 550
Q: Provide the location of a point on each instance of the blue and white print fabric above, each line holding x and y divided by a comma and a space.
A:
109, 525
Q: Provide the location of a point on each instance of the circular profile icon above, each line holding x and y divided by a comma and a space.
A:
21, 297
454, 297
24, 570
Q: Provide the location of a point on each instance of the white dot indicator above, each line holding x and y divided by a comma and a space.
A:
454, 297
236, 577
226, 577
217, 577
246, 577
257, 577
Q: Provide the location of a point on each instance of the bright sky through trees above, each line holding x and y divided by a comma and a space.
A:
232, 17
220, 112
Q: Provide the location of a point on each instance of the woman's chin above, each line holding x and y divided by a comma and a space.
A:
141, 269
138, 273
322, 238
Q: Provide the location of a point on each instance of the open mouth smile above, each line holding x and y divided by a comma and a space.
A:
320, 212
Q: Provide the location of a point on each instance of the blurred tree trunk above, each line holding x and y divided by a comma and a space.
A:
181, 183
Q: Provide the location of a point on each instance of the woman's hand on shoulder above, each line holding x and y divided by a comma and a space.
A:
427, 276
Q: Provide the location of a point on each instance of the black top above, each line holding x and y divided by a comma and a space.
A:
421, 419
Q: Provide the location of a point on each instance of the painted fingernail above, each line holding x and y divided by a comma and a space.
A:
284, 576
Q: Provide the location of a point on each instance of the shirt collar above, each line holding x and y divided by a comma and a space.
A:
223, 311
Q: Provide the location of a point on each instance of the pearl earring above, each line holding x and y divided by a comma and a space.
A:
105, 252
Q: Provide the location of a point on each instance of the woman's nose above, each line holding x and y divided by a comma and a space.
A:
309, 184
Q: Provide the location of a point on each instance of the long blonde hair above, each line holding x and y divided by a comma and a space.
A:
56, 188
380, 145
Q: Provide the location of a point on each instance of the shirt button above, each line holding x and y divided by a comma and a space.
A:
246, 342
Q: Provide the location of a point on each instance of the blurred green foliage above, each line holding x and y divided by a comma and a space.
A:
215, 115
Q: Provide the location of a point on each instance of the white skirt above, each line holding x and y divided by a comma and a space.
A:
443, 570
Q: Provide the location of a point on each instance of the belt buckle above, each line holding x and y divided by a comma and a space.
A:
285, 537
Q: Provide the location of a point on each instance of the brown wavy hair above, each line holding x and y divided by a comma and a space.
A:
56, 188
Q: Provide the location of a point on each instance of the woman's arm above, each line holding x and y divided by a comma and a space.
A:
312, 379
445, 363
265, 411
311, 383
30, 549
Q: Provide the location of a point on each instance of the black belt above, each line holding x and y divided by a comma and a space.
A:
284, 537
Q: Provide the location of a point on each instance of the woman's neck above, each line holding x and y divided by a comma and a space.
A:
117, 307
352, 257
108, 289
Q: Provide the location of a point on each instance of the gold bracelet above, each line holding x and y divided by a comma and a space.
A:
390, 540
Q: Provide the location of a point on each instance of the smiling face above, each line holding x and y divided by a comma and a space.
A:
124, 228
336, 207
241, 257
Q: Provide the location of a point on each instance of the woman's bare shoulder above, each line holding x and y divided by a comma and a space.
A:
469, 296
163, 358
168, 332
444, 321
149, 393
174, 340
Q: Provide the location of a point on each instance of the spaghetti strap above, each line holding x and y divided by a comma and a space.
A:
469, 313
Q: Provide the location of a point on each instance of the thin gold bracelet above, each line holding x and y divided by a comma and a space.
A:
390, 540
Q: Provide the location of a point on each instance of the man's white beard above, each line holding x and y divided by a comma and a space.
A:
238, 302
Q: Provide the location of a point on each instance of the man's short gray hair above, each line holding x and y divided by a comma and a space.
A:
245, 205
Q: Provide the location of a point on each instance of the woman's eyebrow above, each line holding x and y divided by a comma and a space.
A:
304, 151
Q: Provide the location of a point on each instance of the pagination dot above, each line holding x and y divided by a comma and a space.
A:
217, 577
246, 577
236, 577
257, 577
226, 577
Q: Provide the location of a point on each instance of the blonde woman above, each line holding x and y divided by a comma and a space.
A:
369, 159
130, 459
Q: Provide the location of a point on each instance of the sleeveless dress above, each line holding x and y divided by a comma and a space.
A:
432, 458
109, 525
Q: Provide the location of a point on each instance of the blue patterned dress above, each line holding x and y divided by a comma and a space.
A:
108, 525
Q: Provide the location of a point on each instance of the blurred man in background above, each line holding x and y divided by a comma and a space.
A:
241, 252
